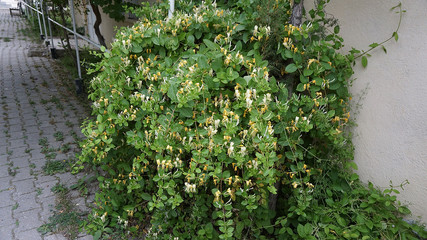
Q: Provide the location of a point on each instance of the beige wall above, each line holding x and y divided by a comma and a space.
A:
108, 27
391, 133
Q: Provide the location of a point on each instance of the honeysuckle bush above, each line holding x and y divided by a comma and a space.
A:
214, 124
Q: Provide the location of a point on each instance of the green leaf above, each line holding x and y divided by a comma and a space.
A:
307, 72
272, 189
291, 68
198, 34
190, 40
172, 91
301, 230
369, 224
97, 235
239, 28
155, 40
146, 196
336, 29
341, 221
364, 61
136, 48
354, 176
396, 36
352, 165
300, 87
186, 112
211, 45
374, 45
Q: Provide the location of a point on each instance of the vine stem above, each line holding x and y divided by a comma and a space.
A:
394, 35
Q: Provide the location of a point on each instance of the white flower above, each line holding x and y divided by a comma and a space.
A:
190, 187
96, 104
267, 30
255, 164
237, 93
216, 122
231, 149
242, 150
103, 217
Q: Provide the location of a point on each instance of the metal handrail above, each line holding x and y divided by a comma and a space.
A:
79, 35
64, 27
74, 32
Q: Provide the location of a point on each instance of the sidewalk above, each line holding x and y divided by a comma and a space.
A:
40, 120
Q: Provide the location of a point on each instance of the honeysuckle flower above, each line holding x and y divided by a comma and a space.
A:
248, 96
103, 217
216, 123
237, 93
231, 149
295, 184
189, 187
96, 105
243, 150
255, 164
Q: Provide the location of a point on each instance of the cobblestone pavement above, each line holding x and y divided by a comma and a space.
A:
39, 124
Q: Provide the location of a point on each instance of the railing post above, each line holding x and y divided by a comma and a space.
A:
52, 49
40, 24
171, 8
79, 83
44, 21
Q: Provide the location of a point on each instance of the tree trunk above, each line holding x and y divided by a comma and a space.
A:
67, 39
296, 17
98, 22
296, 20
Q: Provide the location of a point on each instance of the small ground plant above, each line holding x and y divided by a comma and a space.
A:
227, 122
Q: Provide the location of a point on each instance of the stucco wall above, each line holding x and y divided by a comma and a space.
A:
109, 26
391, 115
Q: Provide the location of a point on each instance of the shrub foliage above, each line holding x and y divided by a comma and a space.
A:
228, 122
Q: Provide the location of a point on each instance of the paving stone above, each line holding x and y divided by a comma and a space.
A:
6, 231
6, 198
4, 168
55, 237
6, 216
27, 220
19, 152
44, 179
15, 128
17, 143
5, 182
24, 186
47, 205
23, 173
26, 202
45, 190
17, 135
32, 234
36, 154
